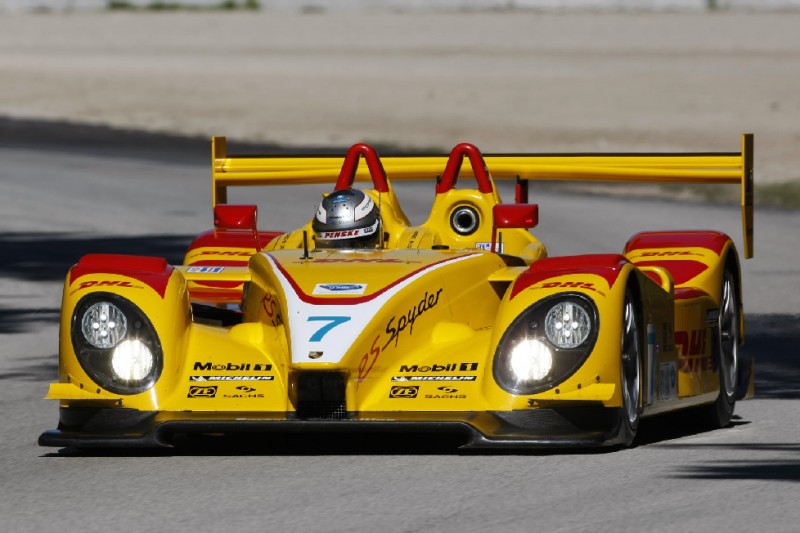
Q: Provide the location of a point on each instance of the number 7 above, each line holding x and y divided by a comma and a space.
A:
332, 322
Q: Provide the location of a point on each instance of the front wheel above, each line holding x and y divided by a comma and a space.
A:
631, 374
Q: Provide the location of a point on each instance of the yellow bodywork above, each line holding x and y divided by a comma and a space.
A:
425, 313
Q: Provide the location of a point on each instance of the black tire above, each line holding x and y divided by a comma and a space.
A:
718, 415
631, 373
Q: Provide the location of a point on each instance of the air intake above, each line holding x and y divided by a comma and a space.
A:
320, 396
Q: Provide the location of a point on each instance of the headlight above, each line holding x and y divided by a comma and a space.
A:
567, 325
530, 360
116, 344
104, 325
132, 360
546, 344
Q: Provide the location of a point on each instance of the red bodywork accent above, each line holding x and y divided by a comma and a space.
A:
607, 266
235, 216
515, 215
682, 270
216, 296
711, 240
348, 173
152, 271
233, 238
687, 293
521, 191
352, 301
453, 168
220, 284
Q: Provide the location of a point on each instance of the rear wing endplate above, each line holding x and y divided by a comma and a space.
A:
713, 167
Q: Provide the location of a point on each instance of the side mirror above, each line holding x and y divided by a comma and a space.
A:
512, 216
238, 219
516, 215
235, 216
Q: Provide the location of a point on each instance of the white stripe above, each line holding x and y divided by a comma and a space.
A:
335, 344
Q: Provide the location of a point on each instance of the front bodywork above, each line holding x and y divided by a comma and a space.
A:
259, 332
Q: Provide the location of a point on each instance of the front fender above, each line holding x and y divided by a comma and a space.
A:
603, 280
157, 290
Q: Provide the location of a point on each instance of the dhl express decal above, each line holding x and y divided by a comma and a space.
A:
105, 283
327, 327
607, 266
692, 350
151, 271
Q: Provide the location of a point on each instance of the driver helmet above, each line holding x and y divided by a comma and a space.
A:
347, 218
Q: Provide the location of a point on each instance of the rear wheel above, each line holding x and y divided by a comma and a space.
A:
631, 377
718, 414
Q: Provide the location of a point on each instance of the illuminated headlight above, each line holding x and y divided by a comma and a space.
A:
132, 360
546, 344
530, 360
116, 343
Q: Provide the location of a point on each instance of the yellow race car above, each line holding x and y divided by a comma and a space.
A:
360, 321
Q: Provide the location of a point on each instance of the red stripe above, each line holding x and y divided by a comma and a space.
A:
607, 266
357, 300
222, 238
711, 240
152, 271
687, 293
221, 296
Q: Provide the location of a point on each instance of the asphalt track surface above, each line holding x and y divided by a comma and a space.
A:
59, 203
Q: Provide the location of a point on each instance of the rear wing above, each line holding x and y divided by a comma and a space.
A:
714, 167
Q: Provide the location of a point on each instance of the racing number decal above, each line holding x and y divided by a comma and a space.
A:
332, 322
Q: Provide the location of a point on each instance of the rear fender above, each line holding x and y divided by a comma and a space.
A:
693, 258
696, 260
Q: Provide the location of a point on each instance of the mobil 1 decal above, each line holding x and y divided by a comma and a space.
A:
437, 372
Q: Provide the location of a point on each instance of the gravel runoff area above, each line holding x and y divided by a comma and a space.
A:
506, 81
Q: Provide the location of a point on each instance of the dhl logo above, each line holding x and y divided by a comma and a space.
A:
692, 346
108, 283
570, 285
665, 254
228, 254
691, 342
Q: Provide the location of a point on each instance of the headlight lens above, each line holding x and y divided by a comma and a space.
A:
104, 325
116, 344
567, 325
546, 344
530, 360
132, 360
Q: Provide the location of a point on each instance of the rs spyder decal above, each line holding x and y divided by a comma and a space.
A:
407, 321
